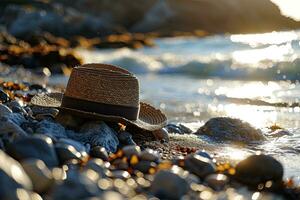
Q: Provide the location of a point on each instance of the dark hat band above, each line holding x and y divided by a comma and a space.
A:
127, 112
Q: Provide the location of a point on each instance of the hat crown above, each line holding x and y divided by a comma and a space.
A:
106, 84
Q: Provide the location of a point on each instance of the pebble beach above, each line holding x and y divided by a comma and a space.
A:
225, 73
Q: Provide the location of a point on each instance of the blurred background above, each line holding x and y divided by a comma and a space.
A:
195, 59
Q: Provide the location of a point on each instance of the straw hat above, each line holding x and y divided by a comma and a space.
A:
104, 92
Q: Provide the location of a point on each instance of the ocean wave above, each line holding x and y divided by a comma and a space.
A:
203, 67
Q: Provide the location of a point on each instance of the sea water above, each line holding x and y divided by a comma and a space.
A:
193, 79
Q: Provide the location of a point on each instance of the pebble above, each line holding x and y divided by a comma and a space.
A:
150, 155
217, 181
122, 174
12, 177
98, 166
4, 111
99, 152
172, 128
161, 134
16, 107
258, 169
203, 153
39, 174
168, 185
4, 97
199, 165
33, 147
225, 128
131, 150
144, 166
75, 186
111, 195
66, 152
125, 138
37, 110
10, 130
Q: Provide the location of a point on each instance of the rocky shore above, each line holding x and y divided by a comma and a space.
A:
50, 155
43, 34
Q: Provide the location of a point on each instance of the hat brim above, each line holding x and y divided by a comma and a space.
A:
149, 119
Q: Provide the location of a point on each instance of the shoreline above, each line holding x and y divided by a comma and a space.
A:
174, 152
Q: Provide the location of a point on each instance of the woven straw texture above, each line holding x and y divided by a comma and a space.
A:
103, 86
106, 84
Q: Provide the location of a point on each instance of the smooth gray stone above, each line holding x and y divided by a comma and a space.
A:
125, 138
150, 155
75, 186
33, 147
111, 195
39, 174
226, 128
258, 169
12, 177
217, 181
67, 152
96, 133
51, 128
168, 185
131, 150
77, 145
97, 165
99, 152
199, 165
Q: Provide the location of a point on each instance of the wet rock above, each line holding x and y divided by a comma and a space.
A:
108, 195
144, 166
279, 133
149, 155
4, 111
68, 149
17, 108
33, 147
172, 128
10, 130
67, 152
217, 181
199, 165
12, 177
76, 186
99, 152
258, 169
39, 174
161, 134
97, 134
120, 164
184, 128
131, 150
122, 174
225, 128
4, 97
77, 145
125, 138
203, 153
51, 128
168, 185
98, 166
41, 111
